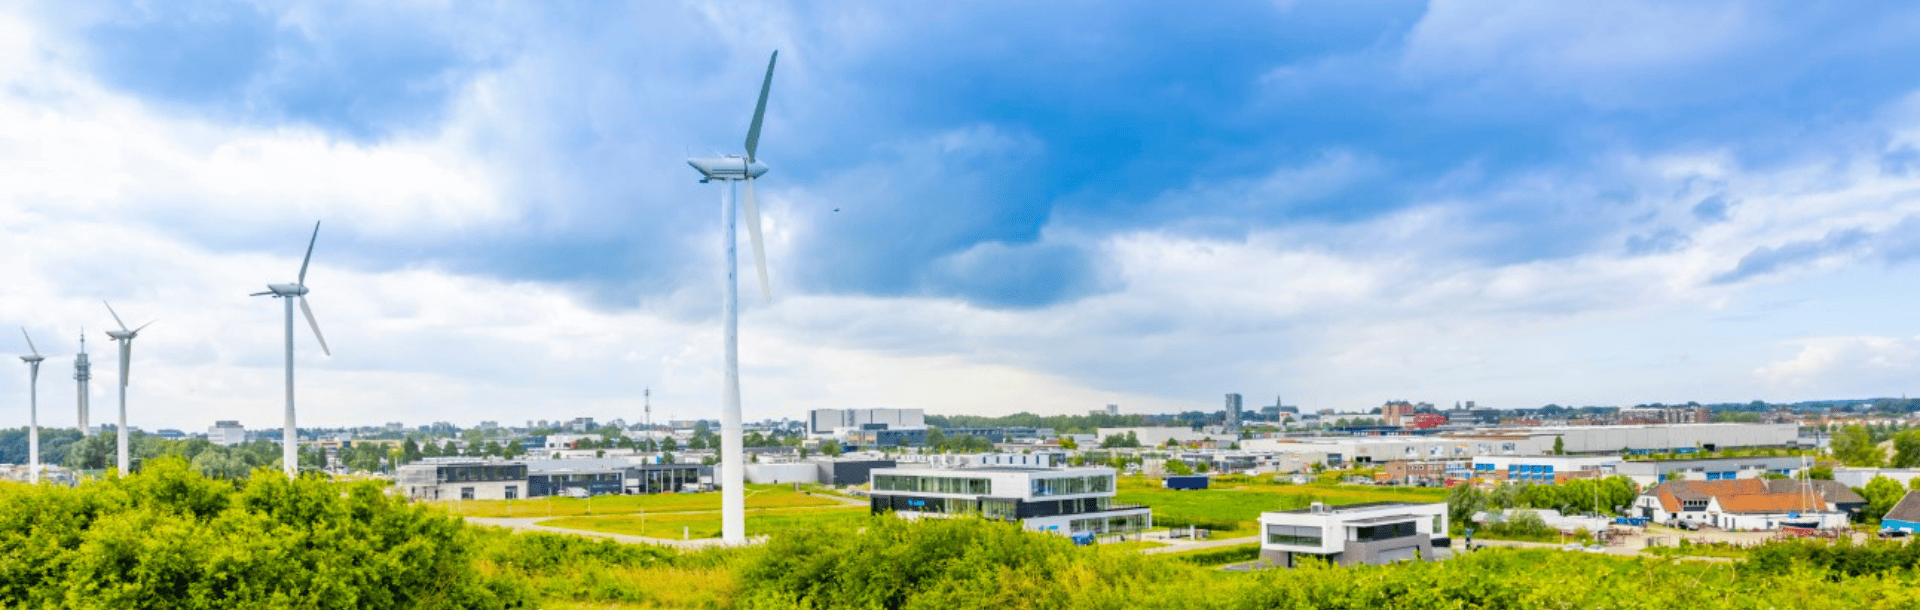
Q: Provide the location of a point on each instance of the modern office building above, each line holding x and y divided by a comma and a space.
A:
462, 479
1060, 500
1369, 533
474, 479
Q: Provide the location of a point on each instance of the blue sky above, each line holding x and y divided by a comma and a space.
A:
979, 207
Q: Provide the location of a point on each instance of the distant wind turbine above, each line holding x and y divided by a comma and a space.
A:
33, 409
732, 169
125, 337
289, 437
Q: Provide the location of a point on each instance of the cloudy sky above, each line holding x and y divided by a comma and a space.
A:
975, 207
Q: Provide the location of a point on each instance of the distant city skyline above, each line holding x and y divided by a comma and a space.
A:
980, 208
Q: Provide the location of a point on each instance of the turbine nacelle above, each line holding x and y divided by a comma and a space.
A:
283, 290
728, 167
123, 335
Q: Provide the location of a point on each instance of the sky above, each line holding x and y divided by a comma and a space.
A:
973, 208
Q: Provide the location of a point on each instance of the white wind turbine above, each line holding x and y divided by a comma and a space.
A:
125, 337
289, 437
33, 408
732, 169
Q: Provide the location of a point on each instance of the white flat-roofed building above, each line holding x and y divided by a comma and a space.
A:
827, 421
1545, 469
1060, 500
226, 433
1368, 533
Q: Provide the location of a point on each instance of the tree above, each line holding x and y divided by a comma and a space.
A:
1068, 444
1178, 467
1906, 449
668, 444
937, 439
409, 451
1559, 445
1853, 445
830, 447
1463, 501
1821, 472
1881, 494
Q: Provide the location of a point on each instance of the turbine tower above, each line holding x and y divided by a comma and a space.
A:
83, 372
33, 409
125, 337
733, 169
289, 437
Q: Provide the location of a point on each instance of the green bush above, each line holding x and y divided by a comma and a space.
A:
171, 538
1215, 557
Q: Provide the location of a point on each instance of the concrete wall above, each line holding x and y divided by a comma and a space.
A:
768, 474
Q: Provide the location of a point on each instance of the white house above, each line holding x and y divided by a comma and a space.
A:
1367, 533
1060, 500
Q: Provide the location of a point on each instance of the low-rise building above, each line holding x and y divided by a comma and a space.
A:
1905, 516
1749, 504
1544, 469
462, 479
1060, 500
1652, 472
1368, 533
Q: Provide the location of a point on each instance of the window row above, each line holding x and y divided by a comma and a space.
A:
1293, 534
1100, 483
945, 485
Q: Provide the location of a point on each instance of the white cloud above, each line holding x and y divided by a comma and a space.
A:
1847, 366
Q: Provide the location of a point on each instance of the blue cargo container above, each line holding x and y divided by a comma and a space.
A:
1198, 481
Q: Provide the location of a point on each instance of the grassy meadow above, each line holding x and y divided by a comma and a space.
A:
758, 496
760, 522
1231, 506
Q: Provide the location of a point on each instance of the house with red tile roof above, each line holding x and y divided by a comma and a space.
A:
1749, 504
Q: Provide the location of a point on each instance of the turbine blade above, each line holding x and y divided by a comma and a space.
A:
309, 258
759, 247
261, 294
116, 316
315, 324
23, 333
760, 110
144, 326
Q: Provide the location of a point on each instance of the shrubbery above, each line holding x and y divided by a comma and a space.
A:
170, 538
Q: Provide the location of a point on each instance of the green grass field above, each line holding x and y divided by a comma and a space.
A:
758, 496
1133, 545
1232, 508
760, 522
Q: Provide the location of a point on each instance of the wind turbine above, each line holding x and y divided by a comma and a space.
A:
125, 337
33, 409
732, 169
289, 437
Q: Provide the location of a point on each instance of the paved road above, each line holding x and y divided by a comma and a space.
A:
1184, 544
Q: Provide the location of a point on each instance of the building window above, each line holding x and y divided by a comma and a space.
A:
1298, 535
466, 493
513, 492
1384, 532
